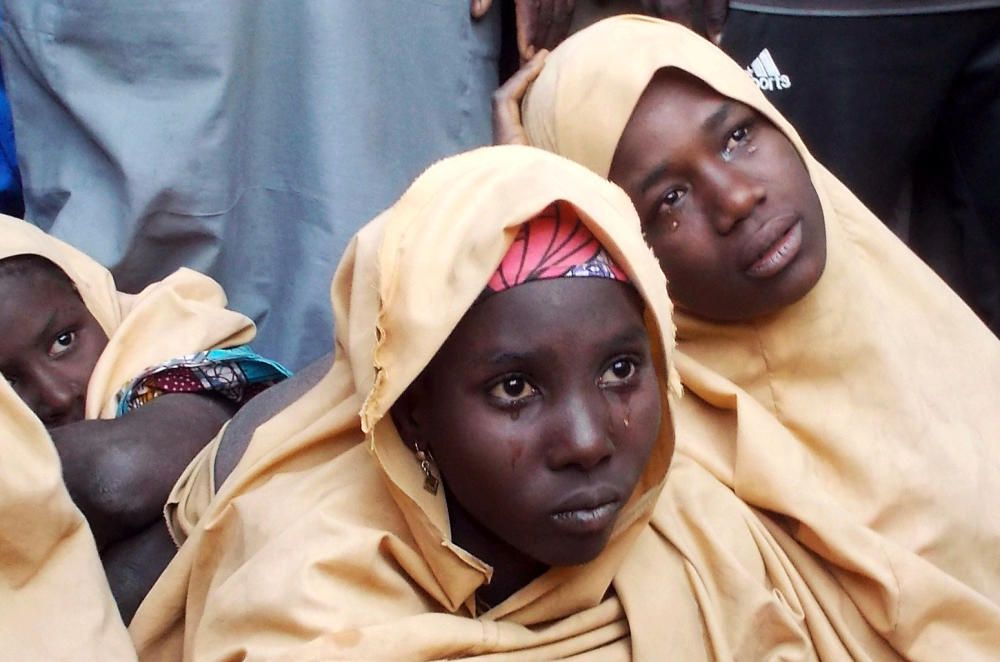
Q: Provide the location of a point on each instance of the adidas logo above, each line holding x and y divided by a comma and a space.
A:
765, 73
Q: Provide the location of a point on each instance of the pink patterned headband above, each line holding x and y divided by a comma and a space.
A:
553, 244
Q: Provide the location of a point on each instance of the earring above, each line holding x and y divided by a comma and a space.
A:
424, 458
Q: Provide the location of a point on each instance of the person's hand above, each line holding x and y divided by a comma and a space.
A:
704, 16
478, 8
541, 24
507, 127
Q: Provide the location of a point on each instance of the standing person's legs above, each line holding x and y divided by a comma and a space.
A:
956, 215
864, 92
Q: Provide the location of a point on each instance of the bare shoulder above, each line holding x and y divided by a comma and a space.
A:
260, 410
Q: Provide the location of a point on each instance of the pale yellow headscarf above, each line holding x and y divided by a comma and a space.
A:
884, 382
54, 600
55, 603
182, 314
323, 543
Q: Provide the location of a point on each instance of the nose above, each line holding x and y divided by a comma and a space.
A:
582, 438
735, 195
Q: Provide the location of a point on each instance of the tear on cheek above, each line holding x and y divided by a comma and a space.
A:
516, 451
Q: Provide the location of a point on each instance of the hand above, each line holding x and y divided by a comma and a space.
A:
541, 24
507, 127
709, 14
478, 8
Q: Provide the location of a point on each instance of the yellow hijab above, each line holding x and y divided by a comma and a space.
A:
54, 600
55, 603
884, 382
323, 544
181, 314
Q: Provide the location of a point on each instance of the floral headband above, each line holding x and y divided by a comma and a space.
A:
553, 244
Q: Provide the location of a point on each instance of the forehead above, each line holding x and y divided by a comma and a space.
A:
671, 86
562, 313
29, 293
676, 107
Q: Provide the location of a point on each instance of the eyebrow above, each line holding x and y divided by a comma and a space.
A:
653, 176
504, 358
633, 335
715, 120
49, 327
629, 336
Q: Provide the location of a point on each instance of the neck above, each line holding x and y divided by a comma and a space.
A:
512, 569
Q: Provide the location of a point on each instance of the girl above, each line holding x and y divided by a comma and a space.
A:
791, 298
129, 387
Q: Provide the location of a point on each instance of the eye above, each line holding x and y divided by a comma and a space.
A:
62, 343
619, 372
739, 136
668, 208
512, 390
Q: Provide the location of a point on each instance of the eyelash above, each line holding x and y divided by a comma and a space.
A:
72, 333
510, 402
621, 382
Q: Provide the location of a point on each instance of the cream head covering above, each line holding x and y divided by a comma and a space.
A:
885, 383
55, 603
182, 314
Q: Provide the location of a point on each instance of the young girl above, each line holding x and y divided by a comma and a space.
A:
793, 298
129, 387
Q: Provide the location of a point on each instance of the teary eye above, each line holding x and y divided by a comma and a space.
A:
739, 136
512, 390
620, 371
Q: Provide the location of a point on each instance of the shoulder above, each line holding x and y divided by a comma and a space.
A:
260, 410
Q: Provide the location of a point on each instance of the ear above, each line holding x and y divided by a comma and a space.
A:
408, 413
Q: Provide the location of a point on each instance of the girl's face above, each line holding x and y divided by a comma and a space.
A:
541, 410
49, 345
725, 200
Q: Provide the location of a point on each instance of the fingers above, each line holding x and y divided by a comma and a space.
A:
541, 24
678, 11
478, 8
507, 127
716, 12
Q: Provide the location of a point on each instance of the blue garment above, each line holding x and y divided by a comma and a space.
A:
245, 139
11, 196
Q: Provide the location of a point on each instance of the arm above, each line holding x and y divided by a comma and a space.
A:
133, 566
540, 23
120, 471
260, 410
706, 17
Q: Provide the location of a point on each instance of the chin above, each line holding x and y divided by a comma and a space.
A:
575, 551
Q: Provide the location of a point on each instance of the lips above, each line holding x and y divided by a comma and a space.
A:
588, 511
773, 247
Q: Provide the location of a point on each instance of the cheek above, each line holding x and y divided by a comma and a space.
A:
476, 450
96, 343
644, 425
